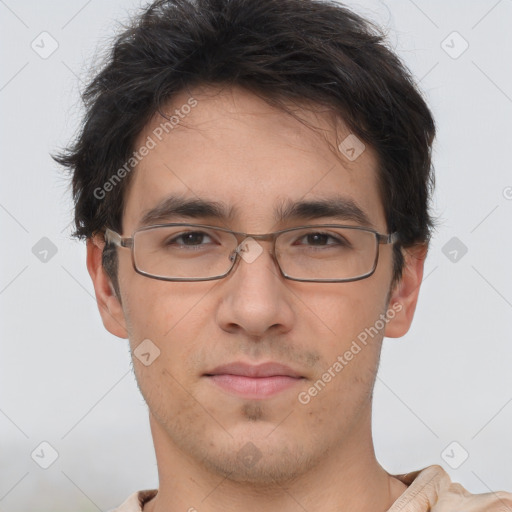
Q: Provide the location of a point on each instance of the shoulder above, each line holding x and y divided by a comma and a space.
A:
135, 501
431, 488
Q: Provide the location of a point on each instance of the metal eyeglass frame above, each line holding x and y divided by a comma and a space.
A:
128, 242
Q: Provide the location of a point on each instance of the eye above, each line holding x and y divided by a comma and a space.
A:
320, 239
190, 238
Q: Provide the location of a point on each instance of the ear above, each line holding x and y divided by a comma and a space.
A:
405, 293
109, 306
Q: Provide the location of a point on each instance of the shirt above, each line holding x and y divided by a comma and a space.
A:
429, 490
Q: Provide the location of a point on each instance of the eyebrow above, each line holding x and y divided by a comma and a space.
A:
334, 207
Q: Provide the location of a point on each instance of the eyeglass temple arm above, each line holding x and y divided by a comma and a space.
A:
388, 239
117, 239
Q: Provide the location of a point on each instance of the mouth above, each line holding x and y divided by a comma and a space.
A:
254, 381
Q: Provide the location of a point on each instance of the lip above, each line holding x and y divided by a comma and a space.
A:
254, 381
269, 369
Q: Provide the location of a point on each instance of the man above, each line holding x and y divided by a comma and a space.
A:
253, 181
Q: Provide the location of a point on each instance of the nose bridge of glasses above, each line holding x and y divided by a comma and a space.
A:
250, 245
261, 237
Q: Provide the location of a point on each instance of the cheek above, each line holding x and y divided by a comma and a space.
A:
342, 312
339, 399
162, 308
350, 349
173, 326
172, 316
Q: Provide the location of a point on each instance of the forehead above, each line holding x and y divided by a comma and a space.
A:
231, 147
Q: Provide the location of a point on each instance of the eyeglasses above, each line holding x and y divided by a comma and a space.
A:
329, 253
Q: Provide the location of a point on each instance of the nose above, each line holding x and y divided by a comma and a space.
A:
256, 298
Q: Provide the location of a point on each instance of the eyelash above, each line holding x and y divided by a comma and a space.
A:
338, 240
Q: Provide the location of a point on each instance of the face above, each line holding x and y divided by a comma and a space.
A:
234, 148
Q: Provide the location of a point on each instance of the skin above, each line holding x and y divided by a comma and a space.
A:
237, 149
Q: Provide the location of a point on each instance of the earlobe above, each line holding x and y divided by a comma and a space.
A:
404, 296
109, 305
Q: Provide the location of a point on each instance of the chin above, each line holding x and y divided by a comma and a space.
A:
259, 465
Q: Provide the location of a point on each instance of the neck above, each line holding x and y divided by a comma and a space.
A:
348, 478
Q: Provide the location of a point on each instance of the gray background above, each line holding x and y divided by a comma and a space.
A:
65, 380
